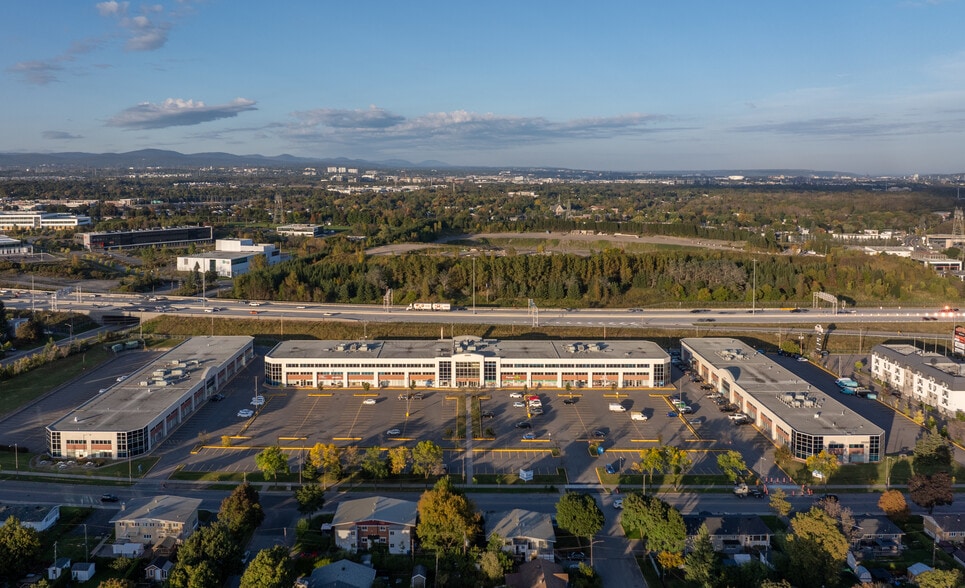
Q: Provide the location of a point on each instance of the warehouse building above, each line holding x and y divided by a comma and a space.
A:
171, 237
231, 257
783, 406
468, 362
135, 415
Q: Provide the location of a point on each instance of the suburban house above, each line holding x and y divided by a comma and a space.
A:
150, 520
876, 537
38, 518
945, 527
82, 571
730, 534
158, 570
340, 574
362, 523
538, 573
526, 534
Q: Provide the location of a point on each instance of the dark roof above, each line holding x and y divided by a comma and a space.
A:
878, 525
949, 523
727, 525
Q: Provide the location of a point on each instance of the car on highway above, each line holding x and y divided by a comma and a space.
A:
109, 498
524, 425
369, 401
246, 413
121, 378
393, 433
519, 404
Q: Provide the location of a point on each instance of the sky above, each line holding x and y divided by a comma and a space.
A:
860, 86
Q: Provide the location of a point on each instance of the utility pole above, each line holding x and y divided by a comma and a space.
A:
754, 295
474, 284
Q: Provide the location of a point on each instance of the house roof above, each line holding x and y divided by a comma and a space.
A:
918, 568
376, 508
727, 525
162, 508
876, 526
949, 523
342, 574
538, 573
521, 523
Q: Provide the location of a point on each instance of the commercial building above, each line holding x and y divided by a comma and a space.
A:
468, 362
928, 377
10, 246
42, 220
301, 230
171, 237
134, 416
783, 406
231, 257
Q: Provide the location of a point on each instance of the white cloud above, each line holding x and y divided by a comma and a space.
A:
177, 112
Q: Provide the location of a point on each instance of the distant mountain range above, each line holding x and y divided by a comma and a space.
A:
147, 158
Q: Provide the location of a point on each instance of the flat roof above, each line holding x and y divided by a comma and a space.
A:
222, 255
141, 397
803, 407
948, 371
433, 348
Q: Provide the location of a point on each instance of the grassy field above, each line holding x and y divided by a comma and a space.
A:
25, 387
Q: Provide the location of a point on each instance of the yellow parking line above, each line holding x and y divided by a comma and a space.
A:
365, 394
292, 438
320, 395
346, 438
645, 440
501, 450
534, 440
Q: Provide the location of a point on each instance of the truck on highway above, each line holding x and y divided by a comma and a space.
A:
438, 306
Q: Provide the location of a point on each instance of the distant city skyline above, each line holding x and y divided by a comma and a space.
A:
866, 86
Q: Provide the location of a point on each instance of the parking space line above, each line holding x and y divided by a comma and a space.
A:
346, 438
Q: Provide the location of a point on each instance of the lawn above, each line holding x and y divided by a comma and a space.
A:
25, 387
867, 474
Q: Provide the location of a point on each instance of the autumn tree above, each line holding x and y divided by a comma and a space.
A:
731, 463
270, 568
939, 579
241, 511
893, 504
779, 502
427, 459
652, 459
116, 583
677, 463
929, 491
826, 464
272, 461
399, 458
579, 514
816, 548
447, 519
326, 459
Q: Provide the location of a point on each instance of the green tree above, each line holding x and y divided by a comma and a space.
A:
826, 464
931, 491
270, 568
579, 514
19, 548
652, 459
678, 462
939, 579
703, 562
310, 498
241, 511
447, 519
779, 503
272, 461
660, 525
816, 548
731, 463
427, 459
399, 458
932, 453
373, 464
206, 558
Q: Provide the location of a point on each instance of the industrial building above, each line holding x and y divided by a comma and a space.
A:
30, 220
784, 407
468, 362
231, 257
135, 415
300, 230
171, 237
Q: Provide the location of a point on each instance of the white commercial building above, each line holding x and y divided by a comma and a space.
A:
925, 376
783, 406
42, 220
231, 257
468, 362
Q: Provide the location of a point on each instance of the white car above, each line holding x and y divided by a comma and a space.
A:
617, 503
393, 433
515, 394
121, 378
246, 413
518, 404
369, 401
258, 401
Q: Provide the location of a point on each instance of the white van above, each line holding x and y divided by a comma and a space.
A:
617, 407
637, 415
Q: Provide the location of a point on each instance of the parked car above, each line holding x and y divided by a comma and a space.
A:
488, 414
369, 401
599, 434
515, 394
519, 404
246, 413
393, 433
617, 503
524, 425
612, 468
569, 401
529, 436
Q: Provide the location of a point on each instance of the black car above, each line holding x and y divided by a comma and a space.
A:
524, 425
756, 493
217, 398
569, 401
488, 414
729, 408
109, 498
599, 434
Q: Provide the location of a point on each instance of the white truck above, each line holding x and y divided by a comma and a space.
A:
440, 306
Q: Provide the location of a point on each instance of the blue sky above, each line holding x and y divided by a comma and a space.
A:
865, 86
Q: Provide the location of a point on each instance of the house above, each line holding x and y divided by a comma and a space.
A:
362, 523
340, 574
419, 577
60, 565
945, 527
150, 520
525, 534
730, 534
158, 570
877, 537
538, 573
38, 518
82, 571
